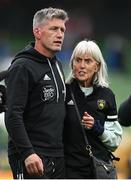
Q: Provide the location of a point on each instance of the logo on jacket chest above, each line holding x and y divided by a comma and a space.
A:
101, 104
48, 93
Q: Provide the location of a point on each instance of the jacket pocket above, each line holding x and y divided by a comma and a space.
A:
49, 166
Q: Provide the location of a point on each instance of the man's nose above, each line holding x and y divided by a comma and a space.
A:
60, 33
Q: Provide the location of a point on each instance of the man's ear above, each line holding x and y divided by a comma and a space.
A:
37, 33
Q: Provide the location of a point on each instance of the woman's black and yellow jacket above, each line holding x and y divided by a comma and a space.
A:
102, 106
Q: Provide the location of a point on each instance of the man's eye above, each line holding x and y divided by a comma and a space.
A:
54, 28
62, 30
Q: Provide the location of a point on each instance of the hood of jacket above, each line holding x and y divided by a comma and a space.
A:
33, 54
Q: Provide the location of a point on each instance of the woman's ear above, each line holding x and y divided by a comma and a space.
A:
97, 67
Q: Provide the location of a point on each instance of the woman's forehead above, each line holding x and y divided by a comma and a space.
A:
83, 55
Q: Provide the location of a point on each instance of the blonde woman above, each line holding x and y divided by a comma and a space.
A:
97, 106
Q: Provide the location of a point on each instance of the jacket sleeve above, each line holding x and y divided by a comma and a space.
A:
2, 98
124, 112
112, 134
17, 93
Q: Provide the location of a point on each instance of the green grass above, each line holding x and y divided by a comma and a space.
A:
120, 83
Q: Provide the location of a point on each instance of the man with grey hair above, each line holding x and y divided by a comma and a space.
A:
35, 101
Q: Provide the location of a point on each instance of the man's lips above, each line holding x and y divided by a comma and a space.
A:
58, 42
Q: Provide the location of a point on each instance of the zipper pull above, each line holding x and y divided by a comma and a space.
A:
106, 168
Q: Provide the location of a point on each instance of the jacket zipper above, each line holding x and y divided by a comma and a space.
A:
57, 90
64, 91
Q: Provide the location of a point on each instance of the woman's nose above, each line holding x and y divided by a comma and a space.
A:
82, 64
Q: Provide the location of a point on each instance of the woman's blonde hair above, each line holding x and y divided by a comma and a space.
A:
84, 47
